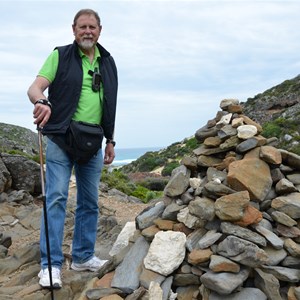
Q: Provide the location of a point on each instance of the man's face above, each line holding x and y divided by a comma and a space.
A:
86, 31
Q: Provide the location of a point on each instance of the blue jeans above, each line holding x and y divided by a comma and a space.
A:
58, 172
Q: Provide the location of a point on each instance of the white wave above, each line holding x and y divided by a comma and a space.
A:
123, 162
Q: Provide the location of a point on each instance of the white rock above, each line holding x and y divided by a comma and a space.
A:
123, 238
225, 120
287, 137
166, 252
172, 296
246, 131
195, 182
226, 102
237, 122
155, 292
217, 180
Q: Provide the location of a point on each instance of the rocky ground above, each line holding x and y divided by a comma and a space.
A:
19, 227
124, 211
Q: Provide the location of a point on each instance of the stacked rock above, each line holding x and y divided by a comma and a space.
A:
228, 226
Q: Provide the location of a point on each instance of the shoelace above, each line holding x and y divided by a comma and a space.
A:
95, 259
55, 272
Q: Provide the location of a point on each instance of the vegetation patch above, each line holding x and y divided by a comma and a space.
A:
120, 181
287, 132
167, 158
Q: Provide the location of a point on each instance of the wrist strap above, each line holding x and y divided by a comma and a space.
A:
110, 141
44, 102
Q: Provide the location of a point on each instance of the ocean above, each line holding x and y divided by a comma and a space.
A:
127, 155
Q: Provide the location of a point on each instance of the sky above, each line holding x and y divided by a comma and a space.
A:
176, 60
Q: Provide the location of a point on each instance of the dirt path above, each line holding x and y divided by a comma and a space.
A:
124, 211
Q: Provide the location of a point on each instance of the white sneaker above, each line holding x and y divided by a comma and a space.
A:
45, 278
94, 264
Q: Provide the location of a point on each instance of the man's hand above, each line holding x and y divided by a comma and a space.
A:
109, 154
41, 113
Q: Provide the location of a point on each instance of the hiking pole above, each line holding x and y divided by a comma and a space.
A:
45, 210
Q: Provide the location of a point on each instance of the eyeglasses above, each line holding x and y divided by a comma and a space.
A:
96, 81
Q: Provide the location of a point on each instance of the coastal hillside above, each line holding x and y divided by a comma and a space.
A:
280, 101
18, 140
164, 160
277, 110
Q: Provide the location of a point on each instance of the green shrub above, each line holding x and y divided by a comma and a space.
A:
150, 163
140, 192
271, 129
279, 127
118, 180
154, 184
192, 143
152, 195
295, 149
35, 158
167, 170
144, 194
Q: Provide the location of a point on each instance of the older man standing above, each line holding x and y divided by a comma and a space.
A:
82, 84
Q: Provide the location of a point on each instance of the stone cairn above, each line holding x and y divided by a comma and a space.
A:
227, 227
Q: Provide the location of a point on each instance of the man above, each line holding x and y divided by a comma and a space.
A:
69, 72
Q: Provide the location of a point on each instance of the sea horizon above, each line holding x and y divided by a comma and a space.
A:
125, 156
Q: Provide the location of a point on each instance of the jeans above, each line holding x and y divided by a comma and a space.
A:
58, 172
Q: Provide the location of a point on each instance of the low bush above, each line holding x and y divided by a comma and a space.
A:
271, 129
144, 194
35, 158
167, 170
154, 184
120, 181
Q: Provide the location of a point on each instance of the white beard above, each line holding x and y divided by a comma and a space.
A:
86, 45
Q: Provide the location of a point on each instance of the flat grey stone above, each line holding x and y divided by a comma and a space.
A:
127, 274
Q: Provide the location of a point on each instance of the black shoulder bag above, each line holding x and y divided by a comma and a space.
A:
81, 141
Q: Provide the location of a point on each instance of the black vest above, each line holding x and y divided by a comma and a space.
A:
64, 91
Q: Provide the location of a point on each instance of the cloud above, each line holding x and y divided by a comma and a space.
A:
176, 59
